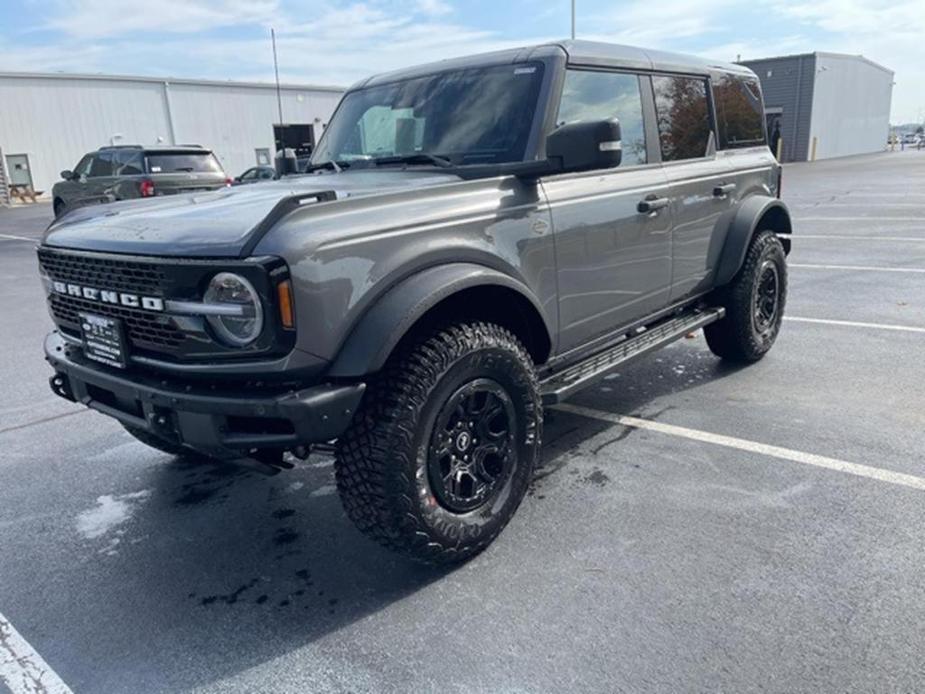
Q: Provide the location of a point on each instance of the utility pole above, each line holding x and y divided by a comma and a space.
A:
573, 20
279, 96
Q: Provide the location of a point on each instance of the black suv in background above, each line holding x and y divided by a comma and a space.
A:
124, 172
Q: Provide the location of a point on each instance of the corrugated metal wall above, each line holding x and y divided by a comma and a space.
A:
787, 84
55, 120
851, 106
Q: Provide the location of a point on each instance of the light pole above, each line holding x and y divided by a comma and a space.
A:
573, 20
279, 96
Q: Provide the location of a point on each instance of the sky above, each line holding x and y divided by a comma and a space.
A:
336, 42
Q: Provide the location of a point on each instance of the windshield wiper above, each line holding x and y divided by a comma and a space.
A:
336, 166
416, 158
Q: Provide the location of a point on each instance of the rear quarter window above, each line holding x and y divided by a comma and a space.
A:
183, 162
739, 112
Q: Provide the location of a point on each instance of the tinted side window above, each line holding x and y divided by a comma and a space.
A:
83, 167
101, 165
128, 163
588, 96
683, 117
739, 112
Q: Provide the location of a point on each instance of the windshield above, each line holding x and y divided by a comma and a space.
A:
475, 116
173, 162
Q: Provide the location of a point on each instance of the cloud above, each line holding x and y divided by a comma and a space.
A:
341, 41
434, 8
94, 19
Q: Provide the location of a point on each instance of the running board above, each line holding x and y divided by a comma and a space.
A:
560, 386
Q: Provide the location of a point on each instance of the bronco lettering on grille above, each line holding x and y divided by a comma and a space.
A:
105, 296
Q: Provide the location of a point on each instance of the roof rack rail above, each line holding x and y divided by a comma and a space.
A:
121, 147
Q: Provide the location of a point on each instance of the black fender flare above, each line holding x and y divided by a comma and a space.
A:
382, 326
741, 229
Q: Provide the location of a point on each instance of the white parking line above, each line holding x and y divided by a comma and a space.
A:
859, 219
22, 669
820, 461
870, 268
856, 324
10, 237
851, 237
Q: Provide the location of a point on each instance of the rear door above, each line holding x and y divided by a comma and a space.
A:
700, 180
743, 139
128, 169
613, 262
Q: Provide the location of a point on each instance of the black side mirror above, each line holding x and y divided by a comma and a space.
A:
286, 162
67, 174
585, 145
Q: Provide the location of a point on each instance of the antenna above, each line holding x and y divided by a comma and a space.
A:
279, 97
573, 20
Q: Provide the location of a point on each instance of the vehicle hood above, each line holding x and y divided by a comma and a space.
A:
213, 224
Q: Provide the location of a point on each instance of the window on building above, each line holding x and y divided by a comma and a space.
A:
101, 165
739, 112
591, 96
683, 117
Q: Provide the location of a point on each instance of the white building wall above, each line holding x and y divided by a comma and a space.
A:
55, 120
851, 106
246, 116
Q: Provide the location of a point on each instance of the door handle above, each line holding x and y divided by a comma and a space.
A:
723, 190
652, 204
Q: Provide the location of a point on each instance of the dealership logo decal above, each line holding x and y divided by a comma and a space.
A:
105, 296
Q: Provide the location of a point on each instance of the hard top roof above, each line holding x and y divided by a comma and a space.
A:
589, 53
160, 149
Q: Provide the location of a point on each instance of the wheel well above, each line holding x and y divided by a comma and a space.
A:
776, 219
495, 304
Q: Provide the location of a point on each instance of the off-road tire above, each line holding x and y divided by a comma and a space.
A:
384, 467
744, 336
160, 444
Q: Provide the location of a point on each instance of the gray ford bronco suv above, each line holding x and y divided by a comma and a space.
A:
474, 240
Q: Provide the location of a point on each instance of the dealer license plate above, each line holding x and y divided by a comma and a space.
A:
104, 339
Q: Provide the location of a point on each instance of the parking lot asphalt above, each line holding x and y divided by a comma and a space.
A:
754, 529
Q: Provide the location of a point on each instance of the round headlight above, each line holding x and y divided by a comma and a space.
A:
243, 321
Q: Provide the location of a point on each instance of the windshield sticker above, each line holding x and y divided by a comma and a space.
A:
155, 169
524, 70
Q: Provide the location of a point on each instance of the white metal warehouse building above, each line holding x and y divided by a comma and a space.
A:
825, 105
49, 121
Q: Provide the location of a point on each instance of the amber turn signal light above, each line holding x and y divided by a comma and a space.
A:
284, 299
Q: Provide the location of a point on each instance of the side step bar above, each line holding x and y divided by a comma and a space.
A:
563, 384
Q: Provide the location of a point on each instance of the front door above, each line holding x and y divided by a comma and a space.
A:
613, 261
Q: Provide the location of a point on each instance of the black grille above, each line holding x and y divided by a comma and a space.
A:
144, 329
108, 273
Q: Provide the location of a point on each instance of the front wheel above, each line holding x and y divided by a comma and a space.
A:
443, 449
754, 303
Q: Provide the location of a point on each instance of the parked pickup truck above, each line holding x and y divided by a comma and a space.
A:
474, 240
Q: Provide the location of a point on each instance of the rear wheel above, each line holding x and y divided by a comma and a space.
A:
754, 302
440, 454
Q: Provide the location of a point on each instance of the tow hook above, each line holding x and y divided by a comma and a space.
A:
62, 387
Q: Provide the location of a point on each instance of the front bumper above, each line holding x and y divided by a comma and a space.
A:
204, 417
